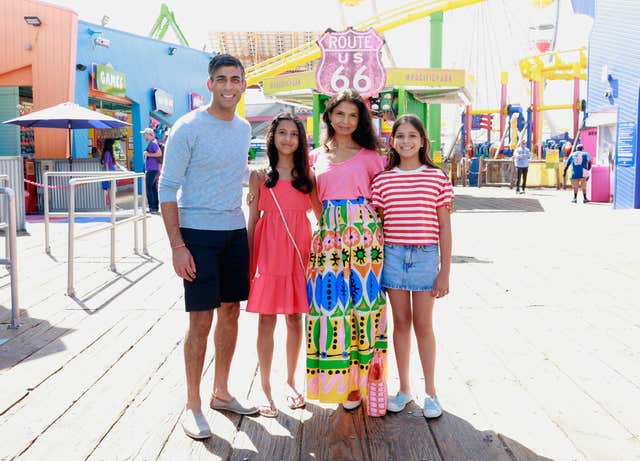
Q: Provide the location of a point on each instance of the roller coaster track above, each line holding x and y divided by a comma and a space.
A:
382, 22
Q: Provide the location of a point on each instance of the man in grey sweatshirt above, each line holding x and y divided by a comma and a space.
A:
201, 199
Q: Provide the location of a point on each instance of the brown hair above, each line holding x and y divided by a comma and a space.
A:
363, 135
300, 172
425, 149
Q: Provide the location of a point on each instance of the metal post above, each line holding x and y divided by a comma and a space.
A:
136, 183
70, 243
112, 255
12, 256
47, 242
317, 117
435, 62
7, 246
144, 215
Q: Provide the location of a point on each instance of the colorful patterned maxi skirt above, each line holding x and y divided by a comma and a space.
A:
347, 315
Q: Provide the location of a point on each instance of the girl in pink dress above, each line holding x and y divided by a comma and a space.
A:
279, 199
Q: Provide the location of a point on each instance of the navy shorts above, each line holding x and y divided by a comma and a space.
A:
410, 267
222, 268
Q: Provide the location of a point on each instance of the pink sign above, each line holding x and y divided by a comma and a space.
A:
351, 59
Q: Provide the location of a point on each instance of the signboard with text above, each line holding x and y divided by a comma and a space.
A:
626, 144
351, 59
163, 101
108, 80
399, 76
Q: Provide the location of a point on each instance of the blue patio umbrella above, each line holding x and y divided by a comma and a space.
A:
67, 115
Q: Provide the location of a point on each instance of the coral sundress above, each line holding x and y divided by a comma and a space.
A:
278, 284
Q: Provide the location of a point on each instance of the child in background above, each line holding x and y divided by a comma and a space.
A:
108, 164
414, 197
279, 234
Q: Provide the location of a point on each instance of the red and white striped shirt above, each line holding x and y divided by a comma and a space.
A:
409, 200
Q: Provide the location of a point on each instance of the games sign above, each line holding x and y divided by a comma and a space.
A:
351, 59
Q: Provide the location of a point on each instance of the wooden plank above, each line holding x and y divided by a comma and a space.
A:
272, 438
24, 422
500, 394
151, 416
598, 397
454, 432
104, 402
223, 424
401, 436
330, 433
86, 329
405, 435
592, 432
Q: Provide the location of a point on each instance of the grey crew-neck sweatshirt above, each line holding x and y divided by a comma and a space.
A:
204, 163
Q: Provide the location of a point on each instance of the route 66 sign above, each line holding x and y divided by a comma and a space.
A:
351, 59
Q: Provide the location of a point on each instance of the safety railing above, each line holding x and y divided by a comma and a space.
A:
11, 250
116, 218
502, 172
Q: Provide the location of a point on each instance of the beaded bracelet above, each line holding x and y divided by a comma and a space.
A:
179, 246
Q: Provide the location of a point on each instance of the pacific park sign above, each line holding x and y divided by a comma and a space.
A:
351, 59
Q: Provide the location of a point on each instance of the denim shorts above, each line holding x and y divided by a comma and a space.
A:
410, 267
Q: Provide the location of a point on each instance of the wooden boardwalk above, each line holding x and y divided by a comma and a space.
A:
539, 352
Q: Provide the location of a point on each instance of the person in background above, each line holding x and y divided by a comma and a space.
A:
521, 158
580, 163
108, 164
152, 168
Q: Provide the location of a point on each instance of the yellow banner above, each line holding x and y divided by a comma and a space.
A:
400, 76
291, 82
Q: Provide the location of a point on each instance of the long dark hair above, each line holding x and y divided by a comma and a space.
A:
108, 146
300, 172
364, 135
425, 149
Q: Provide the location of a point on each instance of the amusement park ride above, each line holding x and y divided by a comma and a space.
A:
538, 69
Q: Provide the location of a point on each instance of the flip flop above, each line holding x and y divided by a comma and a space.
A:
233, 406
296, 401
268, 411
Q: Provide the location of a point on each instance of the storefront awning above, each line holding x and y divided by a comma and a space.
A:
432, 86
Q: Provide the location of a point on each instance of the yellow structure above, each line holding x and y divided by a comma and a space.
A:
564, 65
382, 22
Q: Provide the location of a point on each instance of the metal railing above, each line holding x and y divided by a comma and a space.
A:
88, 177
11, 250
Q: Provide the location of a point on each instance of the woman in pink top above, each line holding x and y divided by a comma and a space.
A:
346, 320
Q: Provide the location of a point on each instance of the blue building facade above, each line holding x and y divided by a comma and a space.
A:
614, 94
147, 77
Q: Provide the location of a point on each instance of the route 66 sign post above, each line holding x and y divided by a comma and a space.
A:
351, 59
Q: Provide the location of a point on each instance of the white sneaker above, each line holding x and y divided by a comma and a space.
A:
195, 425
431, 407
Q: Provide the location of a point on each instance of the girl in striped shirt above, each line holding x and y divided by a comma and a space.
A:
414, 198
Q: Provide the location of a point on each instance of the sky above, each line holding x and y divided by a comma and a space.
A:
484, 39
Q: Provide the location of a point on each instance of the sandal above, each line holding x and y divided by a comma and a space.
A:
296, 401
268, 411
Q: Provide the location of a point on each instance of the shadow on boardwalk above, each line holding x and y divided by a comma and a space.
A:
26, 342
327, 434
471, 204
